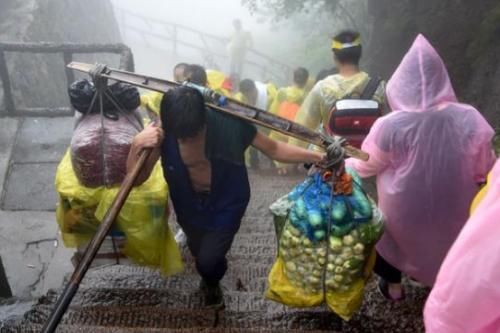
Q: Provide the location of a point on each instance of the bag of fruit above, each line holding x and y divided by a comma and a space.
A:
326, 244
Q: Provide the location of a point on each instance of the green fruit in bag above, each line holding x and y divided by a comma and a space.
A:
339, 210
362, 205
353, 263
306, 242
319, 235
338, 278
294, 241
332, 284
348, 240
336, 244
285, 242
341, 231
314, 280
295, 232
300, 208
355, 234
317, 273
359, 248
321, 252
290, 266
294, 252
347, 251
315, 218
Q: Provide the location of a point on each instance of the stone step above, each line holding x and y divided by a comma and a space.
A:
262, 265
242, 269
111, 329
159, 317
376, 315
258, 238
235, 301
250, 250
186, 282
257, 228
251, 275
144, 317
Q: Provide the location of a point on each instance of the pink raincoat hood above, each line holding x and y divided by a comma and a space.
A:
421, 81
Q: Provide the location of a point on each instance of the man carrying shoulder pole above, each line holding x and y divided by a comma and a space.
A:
202, 154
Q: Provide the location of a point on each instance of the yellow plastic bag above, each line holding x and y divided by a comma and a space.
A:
152, 101
143, 220
480, 196
343, 302
218, 82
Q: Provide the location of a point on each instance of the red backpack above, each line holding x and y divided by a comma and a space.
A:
352, 118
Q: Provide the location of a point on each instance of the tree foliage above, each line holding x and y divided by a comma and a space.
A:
310, 24
283, 9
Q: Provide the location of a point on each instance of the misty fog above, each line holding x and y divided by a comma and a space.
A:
148, 28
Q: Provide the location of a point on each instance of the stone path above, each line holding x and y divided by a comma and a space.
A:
134, 299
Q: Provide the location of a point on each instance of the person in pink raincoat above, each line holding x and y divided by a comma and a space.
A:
466, 295
429, 155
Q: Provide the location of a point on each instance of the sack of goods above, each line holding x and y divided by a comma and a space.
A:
102, 137
326, 237
88, 178
148, 240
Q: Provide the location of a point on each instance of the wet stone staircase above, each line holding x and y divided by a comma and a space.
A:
135, 299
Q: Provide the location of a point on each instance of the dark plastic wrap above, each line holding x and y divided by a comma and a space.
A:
81, 94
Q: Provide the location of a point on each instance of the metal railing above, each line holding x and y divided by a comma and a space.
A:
153, 32
67, 51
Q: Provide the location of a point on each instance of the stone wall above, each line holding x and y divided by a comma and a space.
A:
465, 33
39, 80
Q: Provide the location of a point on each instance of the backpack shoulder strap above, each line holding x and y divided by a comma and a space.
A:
370, 88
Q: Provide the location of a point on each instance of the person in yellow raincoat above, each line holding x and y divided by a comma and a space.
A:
286, 104
151, 101
219, 82
350, 81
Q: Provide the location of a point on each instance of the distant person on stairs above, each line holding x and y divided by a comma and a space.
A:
180, 72
240, 42
197, 74
202, 154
